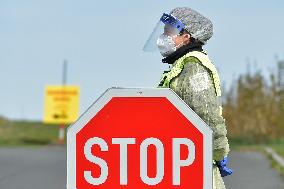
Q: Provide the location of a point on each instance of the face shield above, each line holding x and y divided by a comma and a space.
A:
167, 26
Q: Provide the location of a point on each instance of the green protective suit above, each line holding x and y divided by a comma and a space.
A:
195, 80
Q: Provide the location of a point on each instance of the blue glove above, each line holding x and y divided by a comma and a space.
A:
224, 170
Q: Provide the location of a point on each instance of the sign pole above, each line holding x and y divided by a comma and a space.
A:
61, 133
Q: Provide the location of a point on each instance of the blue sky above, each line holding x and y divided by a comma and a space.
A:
102, 40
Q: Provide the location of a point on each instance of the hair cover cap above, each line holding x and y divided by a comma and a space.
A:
200, 27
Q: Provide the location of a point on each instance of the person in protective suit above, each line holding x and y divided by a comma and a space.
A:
180, 36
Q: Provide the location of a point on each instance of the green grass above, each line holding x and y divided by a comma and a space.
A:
26, 133
278, 146
275, 165
245, 145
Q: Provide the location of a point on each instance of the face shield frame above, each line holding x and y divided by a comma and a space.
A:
167, 25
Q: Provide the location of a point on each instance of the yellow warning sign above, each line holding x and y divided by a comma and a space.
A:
61, 104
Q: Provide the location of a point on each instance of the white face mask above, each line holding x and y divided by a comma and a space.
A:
166, 45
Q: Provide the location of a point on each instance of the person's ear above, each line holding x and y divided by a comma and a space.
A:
186, 38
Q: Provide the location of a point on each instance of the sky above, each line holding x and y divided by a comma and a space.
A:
103, 40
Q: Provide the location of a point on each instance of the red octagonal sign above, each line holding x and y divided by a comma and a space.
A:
139, 138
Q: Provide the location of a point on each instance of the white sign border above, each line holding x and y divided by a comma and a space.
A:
139, 92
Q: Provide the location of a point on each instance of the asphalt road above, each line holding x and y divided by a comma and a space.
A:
33, 168
45, 168
252, 171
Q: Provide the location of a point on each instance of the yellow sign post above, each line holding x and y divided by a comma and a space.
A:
61, 104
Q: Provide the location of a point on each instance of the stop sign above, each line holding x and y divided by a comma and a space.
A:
139, 138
